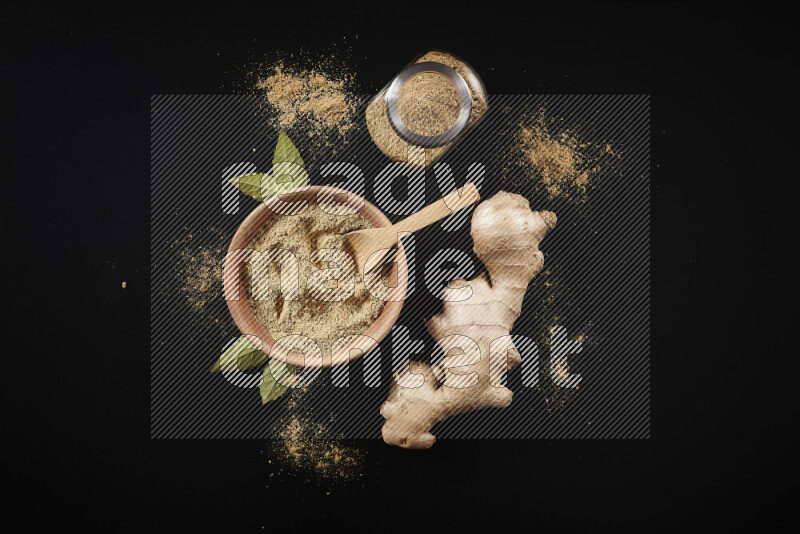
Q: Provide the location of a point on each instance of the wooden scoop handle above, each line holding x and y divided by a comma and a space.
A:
458, 199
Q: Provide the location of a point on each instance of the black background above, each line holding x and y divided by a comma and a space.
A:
76, 92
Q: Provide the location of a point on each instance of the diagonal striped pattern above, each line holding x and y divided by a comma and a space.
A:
595, 281
343, 276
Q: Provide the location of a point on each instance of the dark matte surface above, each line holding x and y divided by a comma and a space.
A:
78, 111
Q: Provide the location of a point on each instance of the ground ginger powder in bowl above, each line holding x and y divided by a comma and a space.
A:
321, 320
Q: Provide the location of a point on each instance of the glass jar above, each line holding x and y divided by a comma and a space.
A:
426, 108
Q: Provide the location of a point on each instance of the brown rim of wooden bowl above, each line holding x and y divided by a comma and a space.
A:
240, 308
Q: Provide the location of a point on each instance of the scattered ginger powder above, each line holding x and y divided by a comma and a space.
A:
558, 160
313, 97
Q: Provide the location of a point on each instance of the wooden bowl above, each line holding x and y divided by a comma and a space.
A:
234, 290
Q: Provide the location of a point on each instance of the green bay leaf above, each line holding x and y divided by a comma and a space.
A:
250, 184
242, 355
271, 387
285, 176
288, 172
286, 152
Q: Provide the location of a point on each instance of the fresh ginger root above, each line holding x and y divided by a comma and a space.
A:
506, 234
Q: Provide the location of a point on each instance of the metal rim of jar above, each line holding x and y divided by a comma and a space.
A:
428, 141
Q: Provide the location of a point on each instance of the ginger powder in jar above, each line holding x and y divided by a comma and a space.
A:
426, 109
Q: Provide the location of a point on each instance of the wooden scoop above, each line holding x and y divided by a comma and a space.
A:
363, 243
